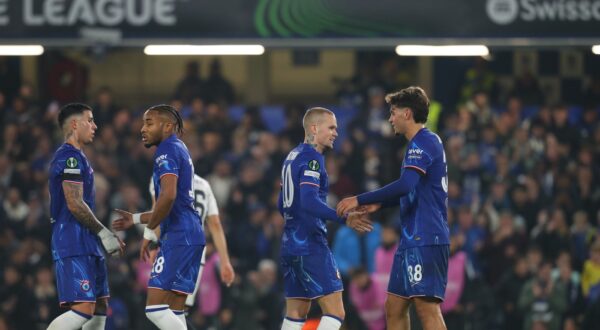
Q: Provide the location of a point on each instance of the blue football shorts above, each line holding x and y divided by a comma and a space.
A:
420, 272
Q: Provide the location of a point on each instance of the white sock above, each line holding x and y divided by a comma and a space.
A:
329, 322
71, 320
163, 317
181, 316
97, 322
292, 324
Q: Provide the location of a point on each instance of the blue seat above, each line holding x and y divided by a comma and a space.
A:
344, 116
575, 113
236, 112
273, 117
529, 111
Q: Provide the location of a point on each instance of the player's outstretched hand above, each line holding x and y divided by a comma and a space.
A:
359, 221
227, 274
369, 208
346, 205
124, 222
145, 254
111, 243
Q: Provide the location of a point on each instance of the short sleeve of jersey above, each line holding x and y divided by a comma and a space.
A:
310, 168
70, 168
211, 202
166, 164
418, 157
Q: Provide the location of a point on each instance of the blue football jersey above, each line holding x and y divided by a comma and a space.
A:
303, 234
424, 210
69, 236
182, 226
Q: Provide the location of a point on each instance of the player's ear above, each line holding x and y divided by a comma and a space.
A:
73, 122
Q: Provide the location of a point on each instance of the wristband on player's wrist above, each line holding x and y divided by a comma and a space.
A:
150, 235
137, 218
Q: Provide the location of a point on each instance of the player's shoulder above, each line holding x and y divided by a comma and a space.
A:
309, 153
311, 158
427, 140
68, 154
200, 181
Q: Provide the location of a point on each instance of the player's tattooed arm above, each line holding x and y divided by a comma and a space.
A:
80, 210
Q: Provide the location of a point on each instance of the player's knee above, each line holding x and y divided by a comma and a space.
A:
336, 311
339, 314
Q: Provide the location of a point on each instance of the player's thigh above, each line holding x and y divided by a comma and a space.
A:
427, 306
84, 307
297, 308
429, 312
157, 297
101, 306
177, 300
396, 306
332, 304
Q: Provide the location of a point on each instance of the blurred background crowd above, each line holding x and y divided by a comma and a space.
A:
524, 200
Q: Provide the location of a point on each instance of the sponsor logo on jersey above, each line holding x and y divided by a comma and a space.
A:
415, 151
161, 157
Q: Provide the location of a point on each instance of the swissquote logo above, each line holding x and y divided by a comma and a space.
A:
504, 12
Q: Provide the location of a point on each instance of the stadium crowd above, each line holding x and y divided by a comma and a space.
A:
524, 201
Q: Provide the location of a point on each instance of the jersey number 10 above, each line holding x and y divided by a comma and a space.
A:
288, 186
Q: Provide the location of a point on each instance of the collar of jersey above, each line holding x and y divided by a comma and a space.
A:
171, 137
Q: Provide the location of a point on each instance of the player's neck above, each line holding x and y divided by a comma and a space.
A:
320, 149
72, 139
412, 130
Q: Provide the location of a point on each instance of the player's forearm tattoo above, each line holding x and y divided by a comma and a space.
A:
80, 210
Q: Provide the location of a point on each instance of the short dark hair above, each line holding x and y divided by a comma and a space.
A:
414, 98
170, 110
71, 109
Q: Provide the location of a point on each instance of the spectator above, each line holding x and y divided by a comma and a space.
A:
590, 278
507, 292
219, 89
543, 300
367, 299
352, 250
191, 85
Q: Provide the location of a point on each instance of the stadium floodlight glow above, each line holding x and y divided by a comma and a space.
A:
21, 50
204, 50
456, 50
596, 49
